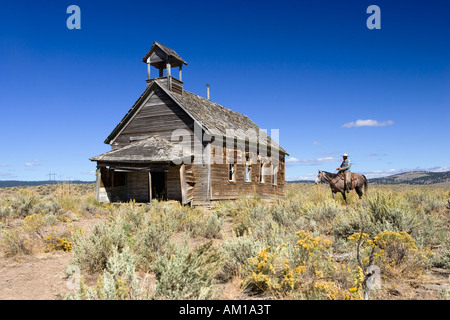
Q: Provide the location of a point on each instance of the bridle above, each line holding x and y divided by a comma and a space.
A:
324, 175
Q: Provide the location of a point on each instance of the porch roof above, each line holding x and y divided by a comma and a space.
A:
153, 149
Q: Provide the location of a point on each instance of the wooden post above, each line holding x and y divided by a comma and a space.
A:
149, 186
98, 174
207, 92
168, 67
161, 72
181, 75
168, 74
148, 68
112, 186
183, 184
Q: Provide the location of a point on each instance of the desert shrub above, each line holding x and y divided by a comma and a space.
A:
321, 215
151, 242
288, 218
49, 205
266, 272
314, 253
118, 281
90, 209
245, 220
388, 211
395, 246
394, 252
179, 218
187, 274
5, 211
67, 197
130, 216
243, 211
425, 200
23, 203
37, 233
14, 243
35, 224
212, 227
441, 258
304, 270
347, 223
236, 253
92, 252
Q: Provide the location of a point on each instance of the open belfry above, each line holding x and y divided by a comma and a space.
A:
175, 145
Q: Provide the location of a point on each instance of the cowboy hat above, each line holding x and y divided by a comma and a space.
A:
345, 155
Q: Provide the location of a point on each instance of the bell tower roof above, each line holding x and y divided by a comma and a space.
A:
159, 55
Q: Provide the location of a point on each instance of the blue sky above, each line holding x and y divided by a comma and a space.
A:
311, 69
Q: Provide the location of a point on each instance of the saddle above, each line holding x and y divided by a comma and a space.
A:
349, 185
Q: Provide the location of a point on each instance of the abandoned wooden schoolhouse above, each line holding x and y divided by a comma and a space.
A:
175, 145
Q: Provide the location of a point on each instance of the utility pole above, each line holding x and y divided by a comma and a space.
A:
52, 177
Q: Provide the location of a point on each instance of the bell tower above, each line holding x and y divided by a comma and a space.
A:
162, 57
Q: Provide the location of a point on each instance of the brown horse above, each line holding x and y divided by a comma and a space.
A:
336, 181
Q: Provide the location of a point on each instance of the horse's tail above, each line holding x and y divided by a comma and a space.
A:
366, 184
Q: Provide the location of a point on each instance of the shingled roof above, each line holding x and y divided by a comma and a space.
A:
153, 149
215, 119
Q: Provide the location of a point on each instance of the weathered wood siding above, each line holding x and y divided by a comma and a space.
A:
111, 186
222, 188
160, 115
173, 183
137, 186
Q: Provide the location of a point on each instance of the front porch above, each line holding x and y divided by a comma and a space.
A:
143, 170
122, 183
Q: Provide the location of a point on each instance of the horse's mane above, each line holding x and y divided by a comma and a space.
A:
332, 175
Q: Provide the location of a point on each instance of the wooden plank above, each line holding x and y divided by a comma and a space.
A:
112, 186
98, 175
183, 184
149, 186
137, 186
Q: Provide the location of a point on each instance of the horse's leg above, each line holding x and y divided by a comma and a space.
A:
334, 194
345, 198
359, 192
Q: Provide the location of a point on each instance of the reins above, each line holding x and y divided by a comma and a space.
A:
326, 178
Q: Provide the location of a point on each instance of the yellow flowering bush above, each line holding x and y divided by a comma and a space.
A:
395, 246
262, 270
34, 224
314, 254
393, 251
304, 268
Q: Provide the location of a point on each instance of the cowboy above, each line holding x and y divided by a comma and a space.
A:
345, 169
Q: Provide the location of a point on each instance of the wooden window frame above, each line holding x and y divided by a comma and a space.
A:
232, 172
262, 179
274, 175
248, 172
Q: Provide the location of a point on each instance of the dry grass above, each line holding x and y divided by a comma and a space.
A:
300, 247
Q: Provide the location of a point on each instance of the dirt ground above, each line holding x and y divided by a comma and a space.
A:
39, 276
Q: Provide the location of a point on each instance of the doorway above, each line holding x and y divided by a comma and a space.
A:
159, 185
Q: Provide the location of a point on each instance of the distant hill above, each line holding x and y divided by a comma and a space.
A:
415, 178
16, 183
300, 181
